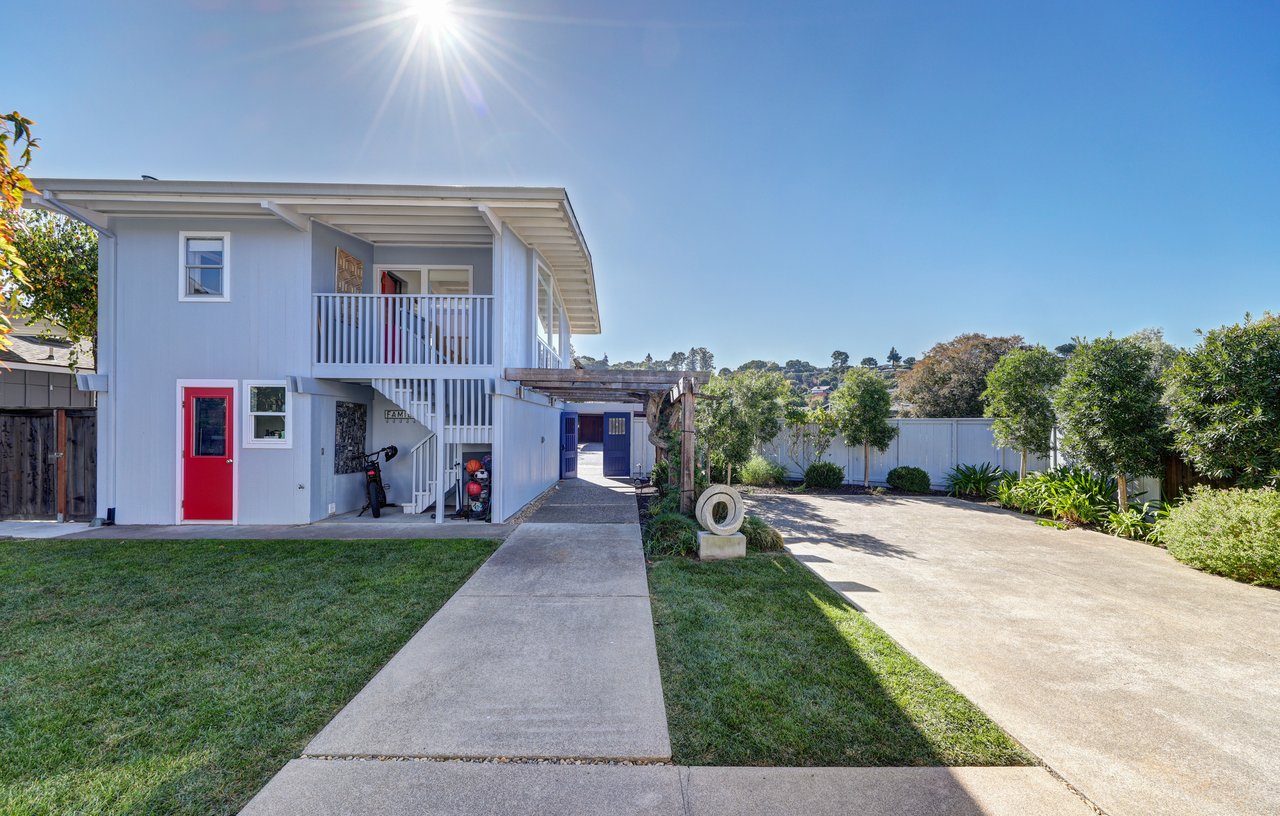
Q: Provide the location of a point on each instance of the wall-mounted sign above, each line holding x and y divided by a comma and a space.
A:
397, 413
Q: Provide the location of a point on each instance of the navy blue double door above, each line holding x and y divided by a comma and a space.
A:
617, 445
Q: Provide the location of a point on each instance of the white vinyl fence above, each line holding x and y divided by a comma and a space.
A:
933, 445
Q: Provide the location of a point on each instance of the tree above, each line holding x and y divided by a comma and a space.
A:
909, 363
949, 381
647, 362
839, 362
1224, 403
860, 408
677, 360
809, 433
1108, 406
1019, 396
869, 362
61, 281
1162, 353
15, 136
1065, 350
744, 412
893, 357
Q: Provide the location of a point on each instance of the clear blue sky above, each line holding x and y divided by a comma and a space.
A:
770, 180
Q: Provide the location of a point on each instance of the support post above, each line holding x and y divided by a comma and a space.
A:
688, 443
441, 436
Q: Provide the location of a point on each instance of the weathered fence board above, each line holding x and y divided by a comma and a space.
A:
28, 465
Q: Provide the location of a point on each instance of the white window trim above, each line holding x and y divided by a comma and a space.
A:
247, 440
182, 267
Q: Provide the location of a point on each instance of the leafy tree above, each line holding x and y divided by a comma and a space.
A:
869, 362
61, 281
15, 136
677, 360
909, 363
839, 362
1066, 349
1162, 353
809, 434
893, 357
860, 408
1224, 403
949, 381
648, 362
1019, 396
744, 412
799, 366
1109, 408
759, 365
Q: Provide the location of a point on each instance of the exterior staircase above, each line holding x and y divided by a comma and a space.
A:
454, 412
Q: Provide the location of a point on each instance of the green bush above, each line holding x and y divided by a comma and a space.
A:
761, 537
668, 503
760, 472
1133, 523
910, 479
659, 475
670, 534
1235, 533
1073, 495
974, 480
824, 476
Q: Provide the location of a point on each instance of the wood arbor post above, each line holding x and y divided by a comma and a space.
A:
688, 444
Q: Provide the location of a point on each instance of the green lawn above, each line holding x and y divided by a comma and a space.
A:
763, 664
175, 677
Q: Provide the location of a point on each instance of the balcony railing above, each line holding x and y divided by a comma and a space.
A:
547, 356
410, 330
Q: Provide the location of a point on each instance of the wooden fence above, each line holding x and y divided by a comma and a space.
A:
48, 463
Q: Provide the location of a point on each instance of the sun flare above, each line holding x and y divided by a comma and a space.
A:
434, 15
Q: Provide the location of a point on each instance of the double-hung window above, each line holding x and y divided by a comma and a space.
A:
267, 424
203, 267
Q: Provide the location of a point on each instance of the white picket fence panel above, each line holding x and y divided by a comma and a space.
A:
933, 445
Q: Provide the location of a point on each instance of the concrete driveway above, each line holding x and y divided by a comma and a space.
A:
1152, 688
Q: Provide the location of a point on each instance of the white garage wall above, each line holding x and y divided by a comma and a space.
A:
527, 453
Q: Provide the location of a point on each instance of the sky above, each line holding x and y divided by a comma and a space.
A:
769, 180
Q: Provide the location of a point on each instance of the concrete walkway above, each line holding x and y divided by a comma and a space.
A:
1152, 688
548, 652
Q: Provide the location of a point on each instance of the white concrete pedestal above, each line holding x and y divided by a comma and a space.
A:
712, 547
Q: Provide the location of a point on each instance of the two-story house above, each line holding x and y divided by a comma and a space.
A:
256, 338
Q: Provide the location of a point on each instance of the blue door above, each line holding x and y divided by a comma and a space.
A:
568, 445
617, 445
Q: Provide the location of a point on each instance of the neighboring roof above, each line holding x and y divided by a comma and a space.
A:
397, 214
29, 351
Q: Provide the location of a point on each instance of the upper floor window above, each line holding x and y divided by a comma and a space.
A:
544, 306
448, 280
203, 266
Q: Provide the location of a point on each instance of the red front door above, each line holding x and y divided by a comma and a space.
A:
208, 450
390, 286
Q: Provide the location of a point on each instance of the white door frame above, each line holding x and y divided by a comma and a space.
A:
180, 439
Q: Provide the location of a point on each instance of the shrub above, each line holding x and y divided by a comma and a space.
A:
759, 472
1072, 495
824, 476
761, 537
670, 534
974, 480
659, 475
668, 503
1235, 533
1135, 522
910, 479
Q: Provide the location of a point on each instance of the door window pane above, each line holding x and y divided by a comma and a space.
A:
210, 426
617, 426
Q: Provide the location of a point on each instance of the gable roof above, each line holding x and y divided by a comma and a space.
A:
394, 214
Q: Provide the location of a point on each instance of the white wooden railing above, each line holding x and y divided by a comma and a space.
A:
426, 482
411, 330
547, 356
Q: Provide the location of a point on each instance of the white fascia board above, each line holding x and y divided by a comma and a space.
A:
288, 215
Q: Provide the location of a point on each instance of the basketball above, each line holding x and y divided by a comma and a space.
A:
473, 465
473, 489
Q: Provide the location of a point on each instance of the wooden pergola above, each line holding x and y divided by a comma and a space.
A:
653, 389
